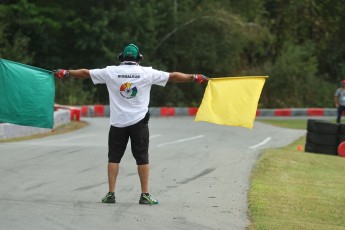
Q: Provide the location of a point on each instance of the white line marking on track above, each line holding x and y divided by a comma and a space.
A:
261, 143
181, 140
153, 136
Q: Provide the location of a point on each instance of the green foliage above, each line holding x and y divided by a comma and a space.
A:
13, 45
293, 79
74, 92
15, 48
297, 43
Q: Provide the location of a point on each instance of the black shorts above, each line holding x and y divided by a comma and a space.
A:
118, 140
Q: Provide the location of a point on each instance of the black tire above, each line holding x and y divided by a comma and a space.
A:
322, 139
324, 149
310, 136
311, 124
342, 129
326, 128
309, 147
341, 138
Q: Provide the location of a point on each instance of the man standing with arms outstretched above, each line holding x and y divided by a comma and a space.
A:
129, 86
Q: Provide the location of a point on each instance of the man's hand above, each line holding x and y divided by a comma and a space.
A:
61, 73
200, 79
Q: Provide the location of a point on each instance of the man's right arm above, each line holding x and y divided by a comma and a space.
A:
79, 73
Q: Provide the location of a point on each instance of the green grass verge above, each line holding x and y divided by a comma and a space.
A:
72, 126
292, 124
291, 189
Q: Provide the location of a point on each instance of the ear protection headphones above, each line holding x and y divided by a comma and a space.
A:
127, 54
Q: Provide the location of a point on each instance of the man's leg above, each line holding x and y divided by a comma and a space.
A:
139, 134
140, 146
339, 112
117, 142
144, 172
113, 170
145, 197
341, 108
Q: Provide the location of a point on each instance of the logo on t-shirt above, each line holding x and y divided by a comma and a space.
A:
128, 91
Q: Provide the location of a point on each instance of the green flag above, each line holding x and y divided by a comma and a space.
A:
26, 95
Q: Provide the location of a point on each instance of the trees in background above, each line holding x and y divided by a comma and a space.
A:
297, 43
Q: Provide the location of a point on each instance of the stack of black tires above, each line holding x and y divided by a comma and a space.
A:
324, 137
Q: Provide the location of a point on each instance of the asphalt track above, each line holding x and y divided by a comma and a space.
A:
199, 172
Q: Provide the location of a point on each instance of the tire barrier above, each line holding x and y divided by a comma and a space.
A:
104, 111
323, 137
61, 117
310, 112
98, 110
94, 111
75, 114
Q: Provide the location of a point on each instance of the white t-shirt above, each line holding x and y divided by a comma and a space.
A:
340, 94
129, 90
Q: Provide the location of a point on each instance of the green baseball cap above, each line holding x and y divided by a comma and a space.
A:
131, 50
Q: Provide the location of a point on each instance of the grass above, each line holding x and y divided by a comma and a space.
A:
291, 189
292, 124
72, 126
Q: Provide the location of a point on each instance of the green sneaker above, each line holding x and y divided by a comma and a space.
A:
109, 198
147, 199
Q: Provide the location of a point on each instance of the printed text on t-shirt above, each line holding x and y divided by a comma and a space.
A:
128, 76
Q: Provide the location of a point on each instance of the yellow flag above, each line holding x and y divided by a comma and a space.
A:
231, 100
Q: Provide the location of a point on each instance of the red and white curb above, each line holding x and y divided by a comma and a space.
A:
7, 130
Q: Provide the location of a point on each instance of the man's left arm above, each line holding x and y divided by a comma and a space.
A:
183, 77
